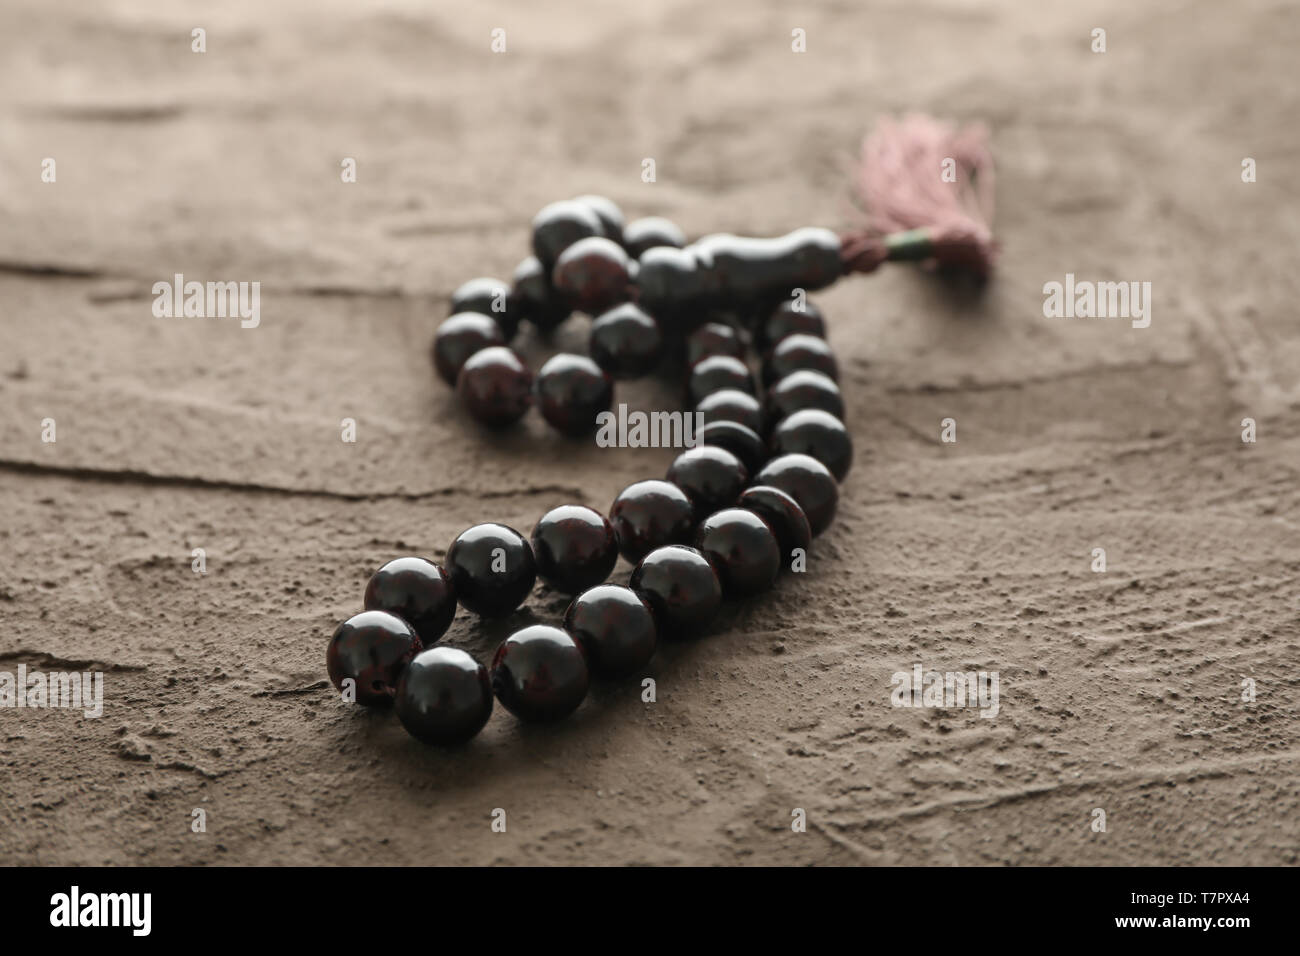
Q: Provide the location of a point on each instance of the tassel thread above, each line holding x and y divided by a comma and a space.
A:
914, 212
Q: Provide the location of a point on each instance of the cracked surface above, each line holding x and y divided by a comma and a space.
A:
1119, 691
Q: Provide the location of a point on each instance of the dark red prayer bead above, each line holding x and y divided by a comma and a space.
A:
459, 337
785, 320
490, 297
571, 391
575, 548
492, 569
799, 351
807, 481
717, 372
746, 273
783, 515
559, 225
371, 649
444, 696
417, 591
615, 628
649, 514
742, 549
816, 433
540, 674
607, 211
682, 589
713, 338
802, 389
671, 286
650, 232
626, 341
495, 386
592, 275
712, 478
534, 298
741, 441
732, 405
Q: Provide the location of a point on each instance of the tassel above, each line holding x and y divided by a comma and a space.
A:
913, 215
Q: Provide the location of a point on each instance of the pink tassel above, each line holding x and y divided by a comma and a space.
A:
912, 213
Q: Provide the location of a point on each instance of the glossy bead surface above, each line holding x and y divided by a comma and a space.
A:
444, 696
607, 211
615, 628
559, 225
540, 674
712, 478
741, 441
816, 433
495, 386
807, 481
732, 405
742, 549
650, 514
417, 591
642, 234
681, 588
571, 391
592, 275
626, 342
671, 287
371, 649
752, 273
459, 337
802, 389
718, 372
492, 569
785, 320
799, 351
490, 297
713, 338
534, 298
575, 548
783, 515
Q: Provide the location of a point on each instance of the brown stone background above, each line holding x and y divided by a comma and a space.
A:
1120, 690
